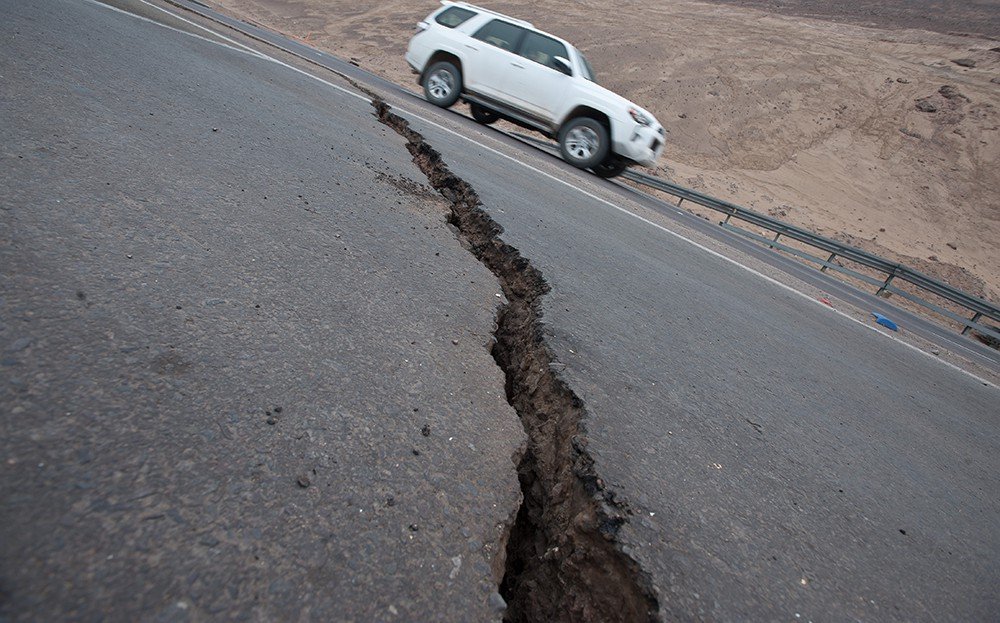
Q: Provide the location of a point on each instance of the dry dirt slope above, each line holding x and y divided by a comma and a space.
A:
813, 121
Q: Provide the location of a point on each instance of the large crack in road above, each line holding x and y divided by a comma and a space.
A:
563, 559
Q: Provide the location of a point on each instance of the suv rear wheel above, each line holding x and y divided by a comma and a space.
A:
442, 84
483, 114
584, 142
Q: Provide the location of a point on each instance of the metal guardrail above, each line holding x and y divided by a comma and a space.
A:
893, 270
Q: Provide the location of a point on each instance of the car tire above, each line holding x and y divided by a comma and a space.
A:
584, 142
482, 114
612, 166
442, 84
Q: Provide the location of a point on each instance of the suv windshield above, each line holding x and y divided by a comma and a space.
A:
588, 71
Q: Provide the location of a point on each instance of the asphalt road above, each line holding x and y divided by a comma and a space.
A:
229, 308
783, 461
786, 461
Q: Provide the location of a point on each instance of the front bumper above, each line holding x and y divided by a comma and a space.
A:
639, 143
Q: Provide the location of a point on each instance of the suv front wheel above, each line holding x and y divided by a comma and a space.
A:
442, 84
584, 142
612, 166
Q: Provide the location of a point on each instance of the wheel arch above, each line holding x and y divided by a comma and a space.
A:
589, 111
437, 57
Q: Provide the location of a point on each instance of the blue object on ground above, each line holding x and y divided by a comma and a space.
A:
885, 322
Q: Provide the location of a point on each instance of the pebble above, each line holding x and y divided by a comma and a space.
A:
497, 602
19, 344
426, 430
208, 540
303, 481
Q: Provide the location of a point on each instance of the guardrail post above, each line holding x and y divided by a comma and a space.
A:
882, 291
975, 317
776, 236
823, 268
680, 201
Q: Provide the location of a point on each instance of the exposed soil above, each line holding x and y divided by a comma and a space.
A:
820, 120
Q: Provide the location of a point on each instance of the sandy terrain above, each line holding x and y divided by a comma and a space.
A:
817, 122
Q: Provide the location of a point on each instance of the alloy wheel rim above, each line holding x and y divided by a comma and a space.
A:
440, 84
582, 142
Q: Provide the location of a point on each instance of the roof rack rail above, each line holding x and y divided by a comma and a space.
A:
490, 11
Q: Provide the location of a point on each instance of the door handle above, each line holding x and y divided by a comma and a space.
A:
516, 65
471, 47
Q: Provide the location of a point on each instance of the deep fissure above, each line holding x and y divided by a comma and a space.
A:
563, 559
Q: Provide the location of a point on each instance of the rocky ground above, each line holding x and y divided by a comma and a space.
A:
865, 125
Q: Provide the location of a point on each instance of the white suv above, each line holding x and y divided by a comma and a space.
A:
507, 69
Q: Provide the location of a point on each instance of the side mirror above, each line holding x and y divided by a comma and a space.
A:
562, 64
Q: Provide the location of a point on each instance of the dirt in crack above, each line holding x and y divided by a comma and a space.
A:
563, 561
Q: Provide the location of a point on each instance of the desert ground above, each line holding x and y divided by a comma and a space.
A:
877, 123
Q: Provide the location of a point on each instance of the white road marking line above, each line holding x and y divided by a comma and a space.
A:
245, 50
643, 219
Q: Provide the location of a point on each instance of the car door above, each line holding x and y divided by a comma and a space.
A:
489, 54
536, 83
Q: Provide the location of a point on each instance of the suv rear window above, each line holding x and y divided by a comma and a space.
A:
501, 34
453, 16
542, 49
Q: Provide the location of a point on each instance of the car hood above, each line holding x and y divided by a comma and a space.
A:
617, 103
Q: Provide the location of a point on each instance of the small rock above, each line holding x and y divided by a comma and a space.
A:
926, 106
455, 342
497, 602
964, 62
952, 246
426, 430
995, 80
881, 230
128, 255
932, 258
19, 344
391, 501
303, 481
414, 527
935, 351
208, 540
902, 81
416, 452
272, 420
215, 129
277, 409
681, 116
951, 93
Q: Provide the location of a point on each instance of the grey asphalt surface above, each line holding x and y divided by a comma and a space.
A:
775, 454
230, 309
785, 462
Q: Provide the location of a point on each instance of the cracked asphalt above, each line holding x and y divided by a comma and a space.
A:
244, 371
781, 462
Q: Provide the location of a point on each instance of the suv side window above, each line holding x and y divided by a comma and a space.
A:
500, 34
543, 50
453, 16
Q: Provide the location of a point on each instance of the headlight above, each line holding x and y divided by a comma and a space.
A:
639, 117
